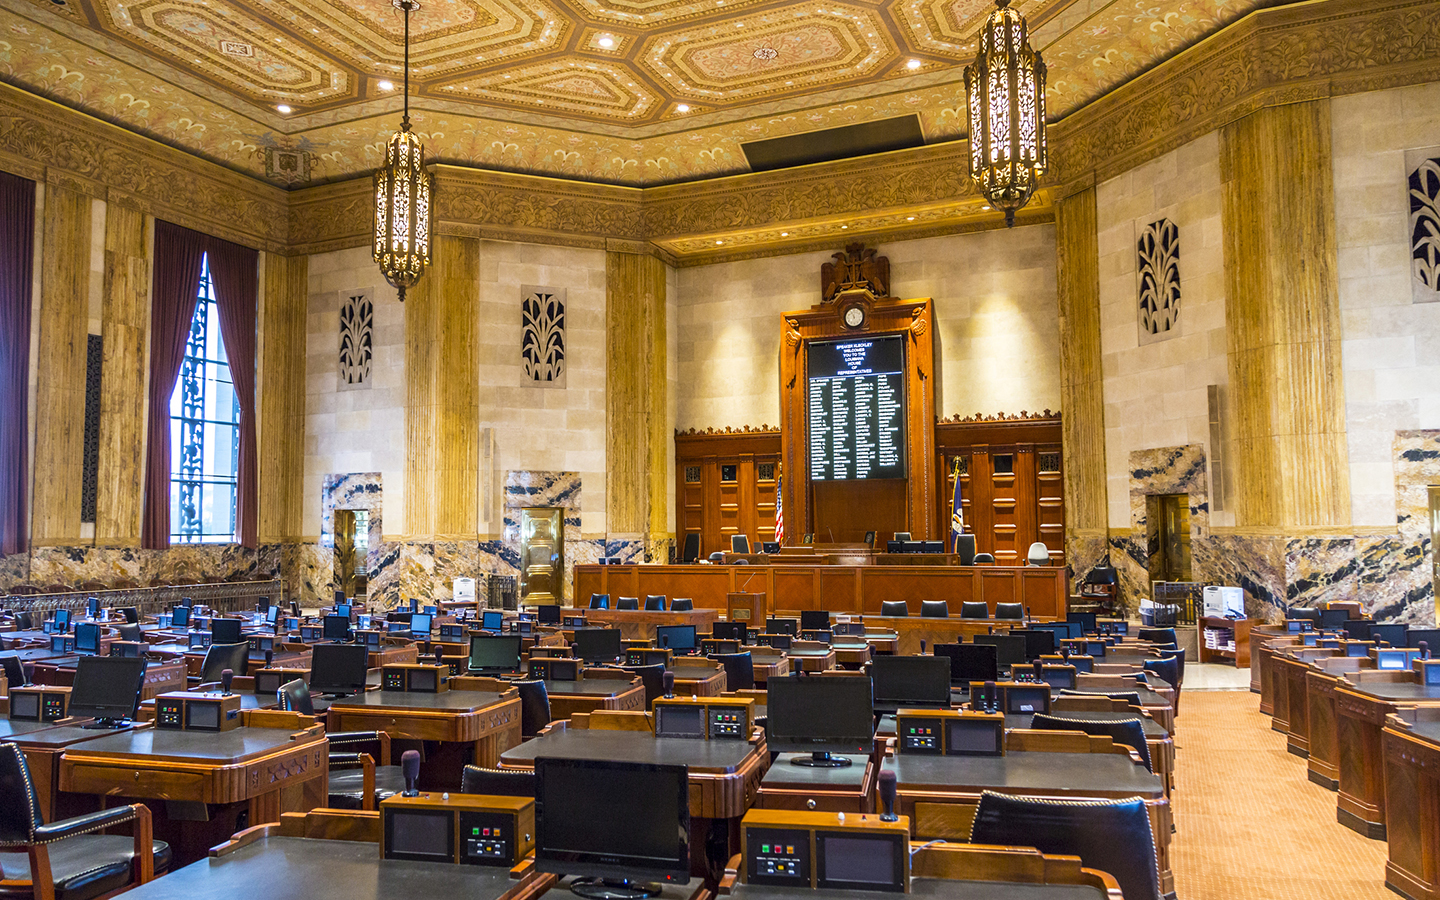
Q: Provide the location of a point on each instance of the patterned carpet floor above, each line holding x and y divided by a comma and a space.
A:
1249, 824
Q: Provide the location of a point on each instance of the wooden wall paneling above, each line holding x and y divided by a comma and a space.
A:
60, 397
1283, 317
282, 398
637, 431
1003, 502
1050, 501
982, 500
715, 509
1027, 524
124, 328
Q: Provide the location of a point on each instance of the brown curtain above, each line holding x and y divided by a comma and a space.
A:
179, 256
234, 271
17, 253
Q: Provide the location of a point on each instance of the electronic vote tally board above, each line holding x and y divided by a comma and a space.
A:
856, 408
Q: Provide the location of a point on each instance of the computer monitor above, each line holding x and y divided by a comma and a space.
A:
578, 804
595, 645
1431, 637
431, 609
342, 609
272, 615
1333, 619
339, 669
92, 607
1392, 633
1061, 630
1357, 629
87, 638
769, 547
547, 615
494, 653
680, 638
921, 682
820, 715
107, 688
1009, 648
62, 620
492, 620
814, 619
225, 631
782, 626
1088, 622
336, 628
420, 626
971, 662
180, 617
729, 631
894, 546
780, 641
1038, 642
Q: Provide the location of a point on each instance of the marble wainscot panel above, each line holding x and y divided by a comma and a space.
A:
1256, 564
535, 488
1083, 552
1395, 579
14, 570
358, 491
456, 559
73, 566
383, 586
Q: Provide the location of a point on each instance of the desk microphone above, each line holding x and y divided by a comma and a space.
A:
226, 678
1424, 649
887, 796
922, 646
1028, 618
269, 658
439, 656
410, 767
668, 679
1039, 670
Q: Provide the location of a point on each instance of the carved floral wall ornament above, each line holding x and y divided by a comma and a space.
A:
542, 335
1158, 270
357, 338
1424, 188
1022, 416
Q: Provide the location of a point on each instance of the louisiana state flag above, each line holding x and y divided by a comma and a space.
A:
957, 514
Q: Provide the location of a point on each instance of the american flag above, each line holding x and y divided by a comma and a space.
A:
779, 510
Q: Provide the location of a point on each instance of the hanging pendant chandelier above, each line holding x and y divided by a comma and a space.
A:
403, 195
1005, 88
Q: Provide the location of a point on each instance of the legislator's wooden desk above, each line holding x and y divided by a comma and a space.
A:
837, 588
724, 775
1361, 710
1411, 742
850, 789
160, 677
1290, 670
811, 659
43, 743
695, 681
1159, 708
1322, 763
640, 624
590, 694
212, 784
472, 727
851, 656
1259, 636
1157, 739
768, 663
293, 868
940, 793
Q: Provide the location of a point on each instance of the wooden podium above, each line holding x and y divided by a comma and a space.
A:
748, 608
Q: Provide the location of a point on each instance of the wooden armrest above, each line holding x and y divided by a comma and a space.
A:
244, 839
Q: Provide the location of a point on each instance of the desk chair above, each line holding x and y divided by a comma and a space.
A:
534, 707
599, 601
718, 556
894, 608
1130, 732
350, 788
1038, 555
1129, 698
1157, 635
224, 656
1012, 611
739, 670
655, 602
934, 609
129, 632
1113, 836
1307, 613
66, 860
1179, 656
984, 559
14, 671
497, 782
653, 679
974, 609
1169, 670
627, 603
739, 543
682, 604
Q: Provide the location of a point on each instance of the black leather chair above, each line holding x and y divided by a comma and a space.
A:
974, 609
894, 608
739, 670
347, 769
934, 609
67, 860
682, 604
129, 632
497, 782
294, 696
1179, 656
653, 678
655, 602
1167, 670
1157, 635
1307, 613
14, 671
534, 707
984, 559
599, 601
1130, 732
739, 543
1012, 611
718, 556
224, 656
627, 603
1113, 836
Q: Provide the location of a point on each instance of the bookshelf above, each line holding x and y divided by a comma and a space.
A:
1225, 641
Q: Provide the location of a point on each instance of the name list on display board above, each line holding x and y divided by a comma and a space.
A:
856, 408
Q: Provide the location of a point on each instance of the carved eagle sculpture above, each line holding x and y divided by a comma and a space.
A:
858, 266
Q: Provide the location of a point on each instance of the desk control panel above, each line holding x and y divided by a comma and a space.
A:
921, 736
777, 856
467, 829
196, 711
950, 733
487, 838
726, 722
39, 703
804, 850
706, 718
420, 679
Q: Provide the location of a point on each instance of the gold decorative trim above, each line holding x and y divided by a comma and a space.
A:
1021, 416
741, 429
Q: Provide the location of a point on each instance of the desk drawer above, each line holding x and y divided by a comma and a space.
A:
141, 783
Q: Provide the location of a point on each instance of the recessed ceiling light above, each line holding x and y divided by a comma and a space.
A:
909, 218
683, 107
606, 41
284, 109
719, 242
843, 227
913, 64
385, 85
784, 234
984, 207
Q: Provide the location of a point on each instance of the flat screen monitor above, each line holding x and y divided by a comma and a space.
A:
1393, 660
729, 631
87, 638
972, 737
342, 609
62, 620
431, 610
1357, 629
92, 607
225, 631
922, 682
680, 721
820, 715
781, 641
547, 615
106, 687
782, 626
495, 652
1431, 637
492, 620
180, 617
1009, 648
420, 626
1030, 698
680, 638
272, 615
336, 628
894, 546
855, 405
769, 547
597, 645
1038, 642
578, 803
339, 669
419, 835
971, 662
1333, 619
814, 619
1088, 622
1392, 633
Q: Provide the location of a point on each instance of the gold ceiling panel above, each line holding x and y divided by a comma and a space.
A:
951, 26
655, 13
589, 88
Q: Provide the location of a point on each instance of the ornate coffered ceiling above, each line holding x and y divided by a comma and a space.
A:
623, 91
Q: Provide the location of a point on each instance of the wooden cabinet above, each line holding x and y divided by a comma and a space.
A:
725, 485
